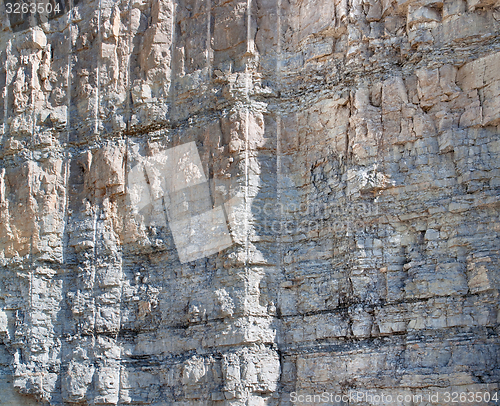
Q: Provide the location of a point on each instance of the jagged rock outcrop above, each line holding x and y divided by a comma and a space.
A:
351, 149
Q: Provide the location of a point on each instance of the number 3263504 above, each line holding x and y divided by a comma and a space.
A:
470, 397
25, 8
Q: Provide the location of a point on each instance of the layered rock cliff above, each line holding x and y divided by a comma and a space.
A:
351, 149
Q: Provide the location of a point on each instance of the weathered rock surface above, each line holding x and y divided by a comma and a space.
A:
361, 142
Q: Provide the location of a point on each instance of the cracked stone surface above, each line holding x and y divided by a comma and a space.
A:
353, 148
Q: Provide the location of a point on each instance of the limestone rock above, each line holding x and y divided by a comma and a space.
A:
227, 203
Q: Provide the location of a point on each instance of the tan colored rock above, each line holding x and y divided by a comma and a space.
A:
207, 202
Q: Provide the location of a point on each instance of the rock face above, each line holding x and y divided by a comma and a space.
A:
353, 148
